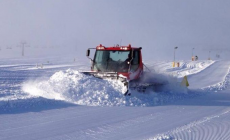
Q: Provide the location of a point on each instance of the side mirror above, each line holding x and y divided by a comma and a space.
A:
88, 52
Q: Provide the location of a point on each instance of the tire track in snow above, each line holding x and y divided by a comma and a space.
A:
54, 125
210, 128
107, 131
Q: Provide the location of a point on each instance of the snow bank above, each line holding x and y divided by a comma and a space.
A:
75, 87
186, 67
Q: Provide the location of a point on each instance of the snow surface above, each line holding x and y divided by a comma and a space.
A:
58, 102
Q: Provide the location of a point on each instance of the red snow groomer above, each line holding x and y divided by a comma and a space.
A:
118, 62
123, 63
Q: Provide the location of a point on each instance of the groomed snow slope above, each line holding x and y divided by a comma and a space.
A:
30, 110
210, 76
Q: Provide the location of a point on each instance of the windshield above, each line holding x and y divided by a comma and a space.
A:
111, 61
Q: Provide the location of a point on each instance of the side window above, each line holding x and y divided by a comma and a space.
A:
135, 58
98, 57
135, 62
100, 61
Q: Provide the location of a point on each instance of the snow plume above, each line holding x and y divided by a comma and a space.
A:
167, 83
75, 87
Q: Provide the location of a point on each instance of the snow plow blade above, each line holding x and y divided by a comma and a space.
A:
106, 75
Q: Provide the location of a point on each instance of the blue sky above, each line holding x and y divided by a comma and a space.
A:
158, 26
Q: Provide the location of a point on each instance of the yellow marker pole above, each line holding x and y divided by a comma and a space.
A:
178, 64
174, 56
185, 82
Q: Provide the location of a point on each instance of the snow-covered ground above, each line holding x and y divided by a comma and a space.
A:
50, 99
